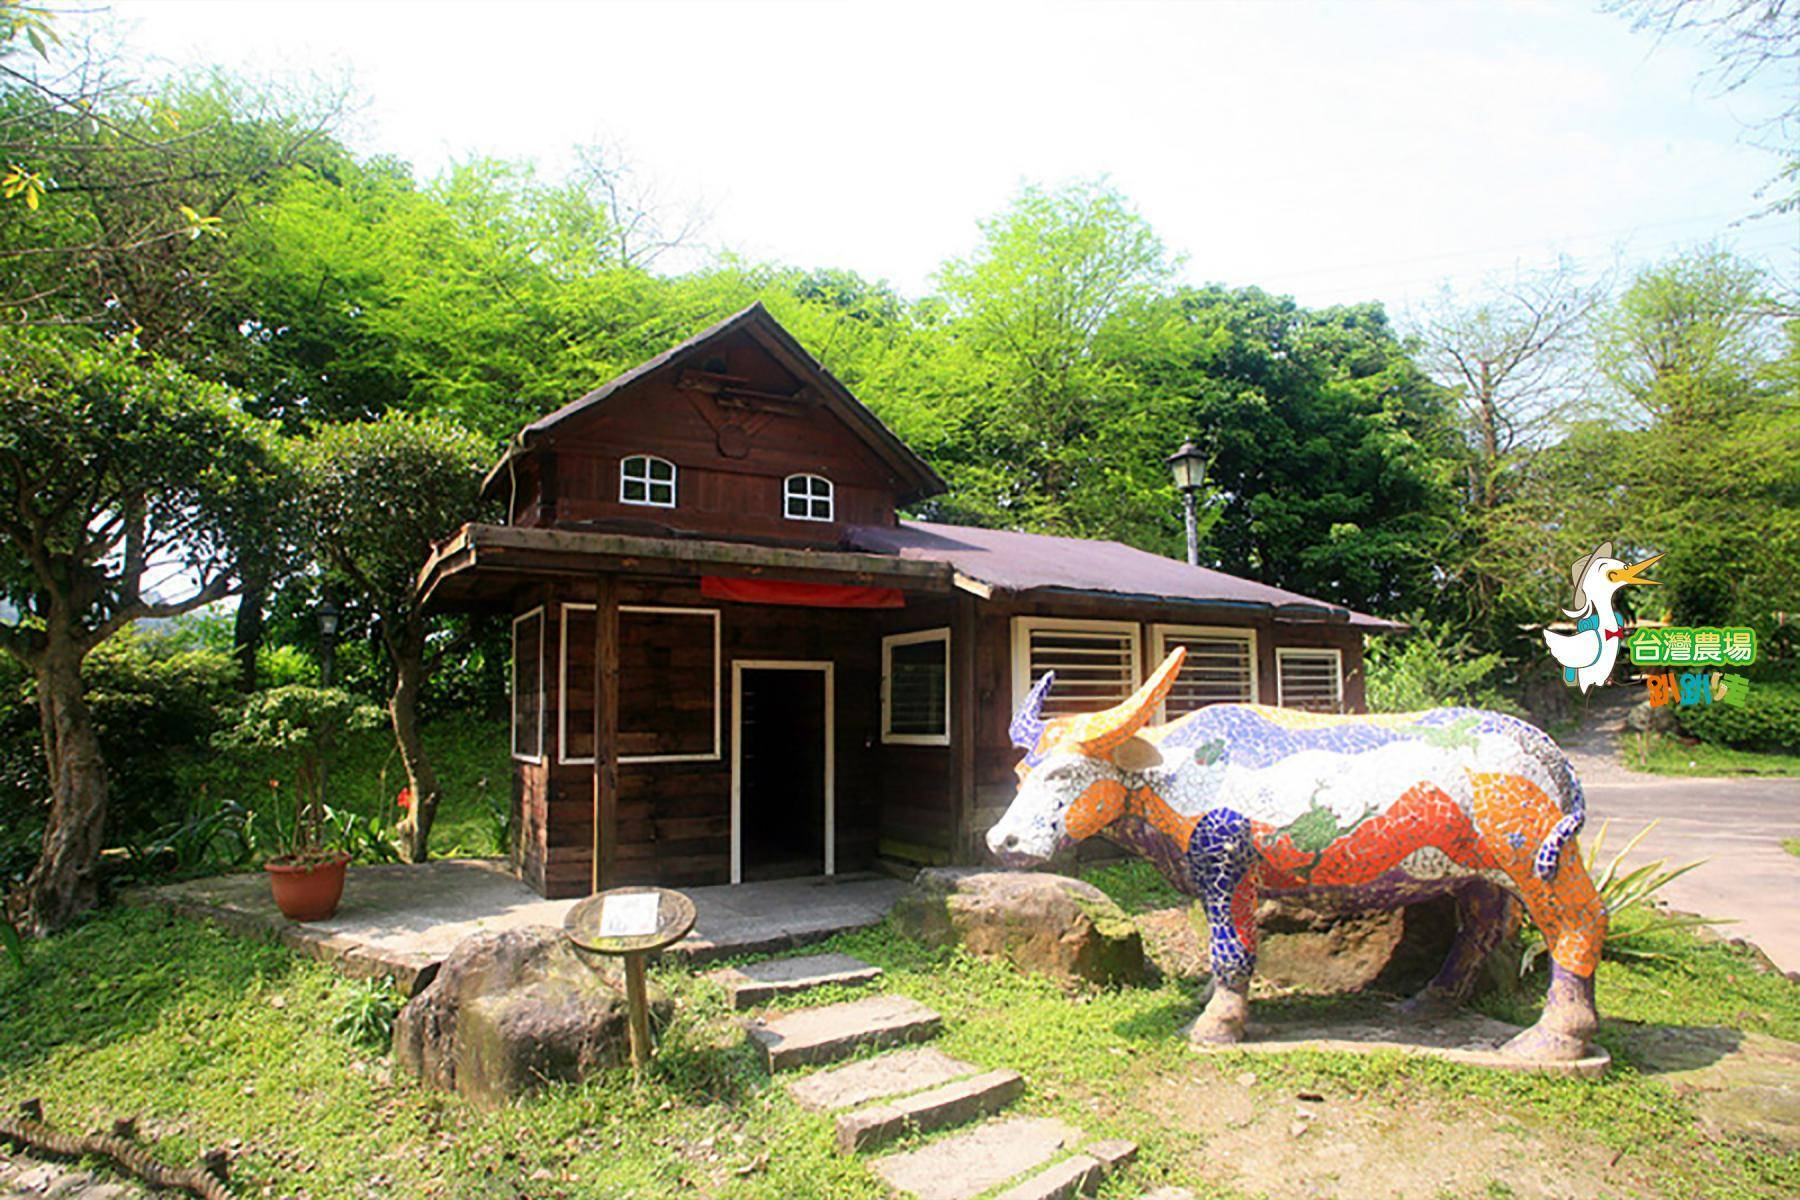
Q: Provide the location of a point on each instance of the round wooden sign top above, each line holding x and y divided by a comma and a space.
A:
629, 920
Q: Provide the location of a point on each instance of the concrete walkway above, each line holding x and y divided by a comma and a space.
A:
403, 920
1736, 824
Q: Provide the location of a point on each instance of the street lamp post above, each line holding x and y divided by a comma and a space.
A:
328, 627
1188, 465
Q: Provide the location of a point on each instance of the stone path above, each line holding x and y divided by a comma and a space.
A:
23, 1178
918, 1089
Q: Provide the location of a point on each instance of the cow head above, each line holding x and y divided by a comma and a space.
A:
1072, 782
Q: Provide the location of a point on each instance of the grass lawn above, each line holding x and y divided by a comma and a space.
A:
1669, 756
212, 1040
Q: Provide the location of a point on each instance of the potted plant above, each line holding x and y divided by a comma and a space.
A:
300, 725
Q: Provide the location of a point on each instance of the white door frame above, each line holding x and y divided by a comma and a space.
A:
738, 667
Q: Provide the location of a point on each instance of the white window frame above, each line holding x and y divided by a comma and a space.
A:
716, 752
562, 689
1159, 640
672, 483
1024, 627
1283, 653
830, 497
888, 736
513, 691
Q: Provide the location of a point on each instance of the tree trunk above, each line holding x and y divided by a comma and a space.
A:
64, 883
408, 650
247, 631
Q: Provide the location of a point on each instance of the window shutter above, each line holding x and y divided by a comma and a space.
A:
1220, 668
1310, 679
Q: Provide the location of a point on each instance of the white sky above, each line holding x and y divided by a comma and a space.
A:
1336, 152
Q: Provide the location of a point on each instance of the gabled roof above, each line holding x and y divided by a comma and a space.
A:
1025, 562
917, 478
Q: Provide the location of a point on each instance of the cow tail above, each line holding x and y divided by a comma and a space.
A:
1549, 854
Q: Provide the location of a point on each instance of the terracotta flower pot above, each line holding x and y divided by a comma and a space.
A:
308, 890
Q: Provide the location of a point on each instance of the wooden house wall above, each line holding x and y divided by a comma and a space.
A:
716, 495
674, 818
913, 804
994, 756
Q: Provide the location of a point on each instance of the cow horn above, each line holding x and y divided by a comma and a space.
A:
1098, 733
1028, 723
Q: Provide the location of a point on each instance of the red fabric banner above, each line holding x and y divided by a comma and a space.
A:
808, 595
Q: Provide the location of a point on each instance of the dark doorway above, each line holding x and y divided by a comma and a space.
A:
783, 715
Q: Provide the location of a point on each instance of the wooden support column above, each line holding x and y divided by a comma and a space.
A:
963, 706
606, 732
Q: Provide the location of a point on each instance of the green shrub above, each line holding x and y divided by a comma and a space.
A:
1431, 667
154, 695
364, 1012
1768, 720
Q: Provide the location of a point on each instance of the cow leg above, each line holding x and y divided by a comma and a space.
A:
1221, 855
1485, 914
1568, 910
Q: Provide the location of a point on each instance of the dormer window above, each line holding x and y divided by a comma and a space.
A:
646, 479
807, 498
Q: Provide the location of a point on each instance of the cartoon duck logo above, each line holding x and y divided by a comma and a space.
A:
1588, 654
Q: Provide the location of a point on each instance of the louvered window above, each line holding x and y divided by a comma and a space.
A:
915, 688
1097, 663
1220, 667
1310, 679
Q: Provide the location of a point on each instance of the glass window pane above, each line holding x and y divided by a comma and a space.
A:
917, 686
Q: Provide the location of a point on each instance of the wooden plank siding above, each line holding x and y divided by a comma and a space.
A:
716, 495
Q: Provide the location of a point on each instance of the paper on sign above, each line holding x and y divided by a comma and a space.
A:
629, 916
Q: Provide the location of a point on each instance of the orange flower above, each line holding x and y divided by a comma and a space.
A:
404, 799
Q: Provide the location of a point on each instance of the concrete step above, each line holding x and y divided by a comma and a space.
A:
948, 1104
971, 1162
895, 1073
1077, 1175
810, 1036
759, 983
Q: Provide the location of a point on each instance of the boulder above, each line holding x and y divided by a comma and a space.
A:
511, 1009
1312, 949
1645, 717
1048, 924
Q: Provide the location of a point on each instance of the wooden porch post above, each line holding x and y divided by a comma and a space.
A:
606, 732
963, 705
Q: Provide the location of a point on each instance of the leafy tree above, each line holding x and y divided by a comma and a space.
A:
1332, 450
128, 478
1026, 315
1519, 365
380, 493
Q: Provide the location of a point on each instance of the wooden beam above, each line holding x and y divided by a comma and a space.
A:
963, 705
606, 733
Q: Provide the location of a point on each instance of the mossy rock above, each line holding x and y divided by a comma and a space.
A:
1050, 925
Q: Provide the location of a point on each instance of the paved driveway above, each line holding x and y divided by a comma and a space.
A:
1736, 824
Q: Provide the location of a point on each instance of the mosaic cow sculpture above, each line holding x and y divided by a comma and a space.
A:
1239, 801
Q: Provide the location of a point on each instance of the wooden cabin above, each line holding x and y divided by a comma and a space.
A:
734, 660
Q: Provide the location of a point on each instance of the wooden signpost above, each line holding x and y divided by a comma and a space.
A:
631, 923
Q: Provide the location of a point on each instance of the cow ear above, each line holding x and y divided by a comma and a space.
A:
1099, 732
1137, 754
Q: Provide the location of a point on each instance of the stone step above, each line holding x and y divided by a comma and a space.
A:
971, 1162
1077, 1175
759, 983
892, 1074
947, 1104
810, 1036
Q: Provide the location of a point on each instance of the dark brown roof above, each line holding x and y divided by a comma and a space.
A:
915, 473
1027, 562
